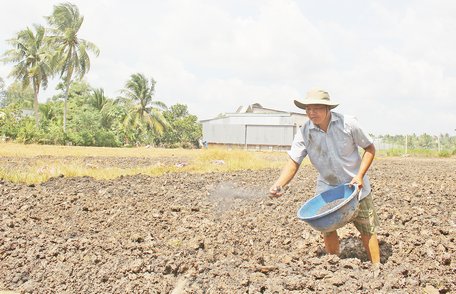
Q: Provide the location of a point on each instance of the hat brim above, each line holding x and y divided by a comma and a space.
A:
302, 104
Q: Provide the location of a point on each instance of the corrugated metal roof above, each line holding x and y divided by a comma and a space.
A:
249, 114
252, 110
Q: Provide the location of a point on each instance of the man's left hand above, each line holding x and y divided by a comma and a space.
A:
358, 181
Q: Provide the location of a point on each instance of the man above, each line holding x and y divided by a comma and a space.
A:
331, 141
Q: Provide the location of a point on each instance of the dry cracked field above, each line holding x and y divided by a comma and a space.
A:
220, 233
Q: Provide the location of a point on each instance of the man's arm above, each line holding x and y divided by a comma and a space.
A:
287, 174
368, 157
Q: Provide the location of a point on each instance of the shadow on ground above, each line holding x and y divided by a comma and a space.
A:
352, 247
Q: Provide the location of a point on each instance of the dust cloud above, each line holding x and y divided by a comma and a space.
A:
229, 195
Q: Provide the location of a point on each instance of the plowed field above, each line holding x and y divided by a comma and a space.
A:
220, 233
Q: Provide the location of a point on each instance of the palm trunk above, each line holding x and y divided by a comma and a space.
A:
67, 88
35, 105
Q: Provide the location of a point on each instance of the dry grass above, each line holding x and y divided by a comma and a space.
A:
68, 161
32, 150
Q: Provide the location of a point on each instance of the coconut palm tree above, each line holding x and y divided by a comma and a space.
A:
98, 99
71, 50
143, 112
33, 61
108, 108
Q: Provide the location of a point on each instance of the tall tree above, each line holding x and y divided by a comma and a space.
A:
72, 51
17, 94
33, 62
143, 110
185, 129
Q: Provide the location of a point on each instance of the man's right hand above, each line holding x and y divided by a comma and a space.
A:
288, 172
276, 191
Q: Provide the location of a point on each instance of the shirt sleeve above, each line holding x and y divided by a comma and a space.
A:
361, 138
298, 150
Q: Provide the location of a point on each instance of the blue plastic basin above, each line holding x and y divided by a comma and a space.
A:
335, 217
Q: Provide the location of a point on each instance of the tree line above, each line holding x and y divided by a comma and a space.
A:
442, 142
80, 114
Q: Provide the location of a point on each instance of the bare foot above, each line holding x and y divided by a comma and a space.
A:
376, 268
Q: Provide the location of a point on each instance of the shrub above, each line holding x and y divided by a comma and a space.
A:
187, 145
28, 132
104, 138
395, 152
444, 153
53, 134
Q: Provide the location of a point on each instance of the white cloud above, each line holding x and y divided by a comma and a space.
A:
389, 63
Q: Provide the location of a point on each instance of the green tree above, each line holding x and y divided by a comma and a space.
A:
142, 113
84, 120
108, 108
9, 120
32, 59
51, 112
185, 129
98, 99
79, 91
426, 141
71, 51
2, 92
111, 115
51, 123
17, 94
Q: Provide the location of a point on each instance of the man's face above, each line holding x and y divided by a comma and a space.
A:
317, 113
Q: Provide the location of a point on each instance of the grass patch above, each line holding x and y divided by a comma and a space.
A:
445, 154
38, 170
394, 152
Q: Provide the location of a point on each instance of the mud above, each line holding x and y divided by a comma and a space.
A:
220, 233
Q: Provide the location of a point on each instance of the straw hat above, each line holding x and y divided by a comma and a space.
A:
316, 97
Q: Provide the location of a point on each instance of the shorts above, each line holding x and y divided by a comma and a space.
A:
365, 219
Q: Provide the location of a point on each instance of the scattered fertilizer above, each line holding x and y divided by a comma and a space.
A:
330, 205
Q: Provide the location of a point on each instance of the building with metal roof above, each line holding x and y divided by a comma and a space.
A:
253, 127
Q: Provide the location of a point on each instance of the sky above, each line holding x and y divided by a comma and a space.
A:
389, 63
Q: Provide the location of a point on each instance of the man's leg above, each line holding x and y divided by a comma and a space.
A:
370, 243
331, 242
367, 223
